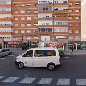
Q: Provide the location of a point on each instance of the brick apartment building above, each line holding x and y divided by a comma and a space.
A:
45, 20
5, 20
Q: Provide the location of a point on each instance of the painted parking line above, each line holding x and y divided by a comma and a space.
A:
45, 81
10, 79
1, 77
63, 81
81, 82
27, 80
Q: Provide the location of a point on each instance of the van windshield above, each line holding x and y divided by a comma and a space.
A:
28, 53
41, 53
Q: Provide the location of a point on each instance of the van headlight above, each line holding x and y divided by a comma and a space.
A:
17, 58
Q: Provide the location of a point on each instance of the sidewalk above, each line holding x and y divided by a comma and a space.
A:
75, 52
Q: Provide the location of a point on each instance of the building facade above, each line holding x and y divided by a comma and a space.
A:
46, 20
74, 22
5, 20
25, 19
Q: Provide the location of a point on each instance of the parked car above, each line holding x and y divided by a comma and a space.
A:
4, 52
39, 57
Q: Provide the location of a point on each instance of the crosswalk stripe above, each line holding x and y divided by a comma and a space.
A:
1, 77
63, 81
10, 79
45, 81
80, 81
27, 80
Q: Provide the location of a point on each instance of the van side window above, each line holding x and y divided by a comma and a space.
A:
41, 53
28, 54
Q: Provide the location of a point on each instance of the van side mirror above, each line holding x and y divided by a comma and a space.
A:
24, 55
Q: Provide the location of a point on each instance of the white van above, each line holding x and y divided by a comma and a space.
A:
39, 57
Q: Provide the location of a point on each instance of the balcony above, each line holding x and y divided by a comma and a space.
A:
60, 11
45, 11
61, 4
5, 19
44, 18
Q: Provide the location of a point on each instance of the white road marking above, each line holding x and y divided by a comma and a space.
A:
63, 81
45, 81
1, 77
80, 82
10, 79
27, 80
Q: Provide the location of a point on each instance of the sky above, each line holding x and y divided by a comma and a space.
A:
83, 20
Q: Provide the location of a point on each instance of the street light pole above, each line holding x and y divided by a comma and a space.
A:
53, 23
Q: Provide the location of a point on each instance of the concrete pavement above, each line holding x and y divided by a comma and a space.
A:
75, 52
18, 51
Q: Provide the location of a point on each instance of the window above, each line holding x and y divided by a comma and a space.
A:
42, 53
60, 37
78, 24
16, 5
35, 4
22, 31
70, 4
35, 11
70, 31
76, 31
16, 31
28, 24
16, 24
69, 10
22, 18
16, 18
35, 18
29, 4
64, 1
70, 17
77, 17
28, 18
71, 38
16, 11
28, 53
22, 25
28, 11
22, 11
77, 4
77, 38
3, 50
60, 23
77, 10
28, 31
22, 5
70, 25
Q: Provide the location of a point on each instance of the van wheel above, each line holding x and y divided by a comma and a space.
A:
20, 65
51, 66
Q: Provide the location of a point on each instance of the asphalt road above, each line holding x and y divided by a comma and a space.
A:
71, 73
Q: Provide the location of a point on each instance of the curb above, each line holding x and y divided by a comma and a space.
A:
75, 54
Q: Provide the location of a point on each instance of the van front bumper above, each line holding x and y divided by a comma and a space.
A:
16, 63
